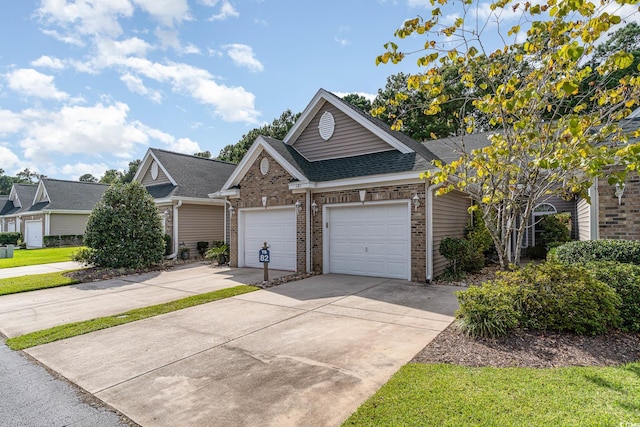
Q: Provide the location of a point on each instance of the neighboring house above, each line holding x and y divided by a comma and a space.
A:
51, 208
341, 194
180, 185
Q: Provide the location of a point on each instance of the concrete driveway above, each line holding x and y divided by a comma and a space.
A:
303, 353
31, 311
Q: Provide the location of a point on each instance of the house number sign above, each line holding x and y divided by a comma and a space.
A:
263, 255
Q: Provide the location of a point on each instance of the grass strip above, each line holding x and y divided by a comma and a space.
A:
24, 257
451, 395
78, 328
14, 285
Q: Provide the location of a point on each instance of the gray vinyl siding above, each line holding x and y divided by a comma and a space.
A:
67, 224
161, 179
198, 223
450, 218
349, 138
583, 219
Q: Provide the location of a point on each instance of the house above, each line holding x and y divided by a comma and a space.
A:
53, 212
341, 193
180, 184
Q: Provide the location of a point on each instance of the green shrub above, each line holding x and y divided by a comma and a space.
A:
202, 247
599, 250
547, 296
62, 241
83, 255
456, 250
488, 310
219, 253
625, 279
124, 229
10, 238
478, 235
553, 296
556, 228
168, 247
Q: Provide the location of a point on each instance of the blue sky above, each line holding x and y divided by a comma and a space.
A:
89, 85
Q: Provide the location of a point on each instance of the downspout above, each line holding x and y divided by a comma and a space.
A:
308, 229
175, 231
429, 224
594, 223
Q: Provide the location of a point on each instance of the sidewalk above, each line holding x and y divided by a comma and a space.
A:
39, 269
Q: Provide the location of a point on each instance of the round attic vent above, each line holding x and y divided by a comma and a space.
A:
327, 125
154, 170
264, 166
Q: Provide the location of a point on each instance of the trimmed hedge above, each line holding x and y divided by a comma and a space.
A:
627, 251
10, 238
63, 241
625, 279
547, 296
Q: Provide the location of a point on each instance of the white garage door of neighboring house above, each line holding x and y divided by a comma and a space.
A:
369, 240
33, 231
277, 227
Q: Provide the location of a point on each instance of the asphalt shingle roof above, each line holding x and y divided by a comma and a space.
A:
70, 195
25, 193
195, 176
386, 162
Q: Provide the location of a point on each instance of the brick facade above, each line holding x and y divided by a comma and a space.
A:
275, 186
619, 221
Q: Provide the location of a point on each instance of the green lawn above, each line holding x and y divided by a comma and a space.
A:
450, 395
22, 257
13, 285
78, 328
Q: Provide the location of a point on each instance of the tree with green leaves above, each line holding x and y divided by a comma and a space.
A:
541, 147
358, 101
6, 182
124, 229
277, 129
127, 176
111, 176
27, 176
87, 177
204, 154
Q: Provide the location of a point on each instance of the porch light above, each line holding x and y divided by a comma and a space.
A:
264, 201
416, 202
231, 211
363, 194
620, 192
298, 206
314, 207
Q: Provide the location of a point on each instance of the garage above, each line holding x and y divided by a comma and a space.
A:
33, 234
368, 240
277, 227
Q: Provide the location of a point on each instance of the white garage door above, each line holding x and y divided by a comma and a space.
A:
370, 240
277, 227
33, 231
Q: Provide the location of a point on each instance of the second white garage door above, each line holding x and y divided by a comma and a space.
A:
275, 226
369, 240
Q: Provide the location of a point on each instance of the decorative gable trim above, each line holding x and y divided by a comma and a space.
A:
41, 194
316, 104
13, 197
250, 157
146, 163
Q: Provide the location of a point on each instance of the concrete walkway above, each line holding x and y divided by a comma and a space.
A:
303, 353
31, 311
39, 269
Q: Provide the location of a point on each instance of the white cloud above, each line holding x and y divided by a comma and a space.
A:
75, 171
10, 122
9, 159
168, 12
226, 11
342, 42
48, 62
30, 82
91, 17
64, 38
369, 96
135, 84
96, 130
179, 145
190, 49
242, 55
